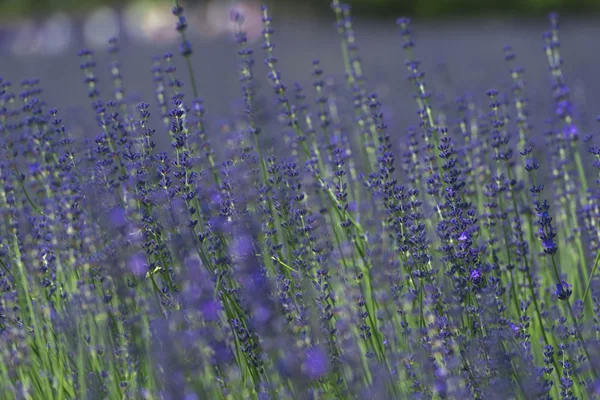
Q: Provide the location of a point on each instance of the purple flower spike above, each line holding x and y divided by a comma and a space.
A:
563, 290
236, 15
476, 276
516, 330
549, 246
571, 132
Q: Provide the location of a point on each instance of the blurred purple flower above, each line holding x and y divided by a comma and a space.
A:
316, 364
34, 168
571, 132
243, 247
117, 217
564, 108
261, 314
137, 264
210, 310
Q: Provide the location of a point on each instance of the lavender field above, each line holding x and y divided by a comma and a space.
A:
308, 208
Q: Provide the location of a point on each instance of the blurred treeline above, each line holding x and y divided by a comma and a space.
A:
421, 8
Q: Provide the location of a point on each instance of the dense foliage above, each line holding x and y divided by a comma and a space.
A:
305, 251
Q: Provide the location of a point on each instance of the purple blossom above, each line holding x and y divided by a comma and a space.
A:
571, 132
316, 363
563, 290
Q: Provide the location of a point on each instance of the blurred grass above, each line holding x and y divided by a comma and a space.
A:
421, 8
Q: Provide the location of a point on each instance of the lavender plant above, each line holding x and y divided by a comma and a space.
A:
322, 256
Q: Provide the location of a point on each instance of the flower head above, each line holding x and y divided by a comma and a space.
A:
563, 290
571, 132
476, 276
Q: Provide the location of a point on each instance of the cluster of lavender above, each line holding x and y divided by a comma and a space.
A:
322, 256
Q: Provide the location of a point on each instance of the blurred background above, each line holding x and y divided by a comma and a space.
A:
421, 8
460, 44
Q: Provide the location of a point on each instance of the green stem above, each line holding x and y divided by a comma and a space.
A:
587, 289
